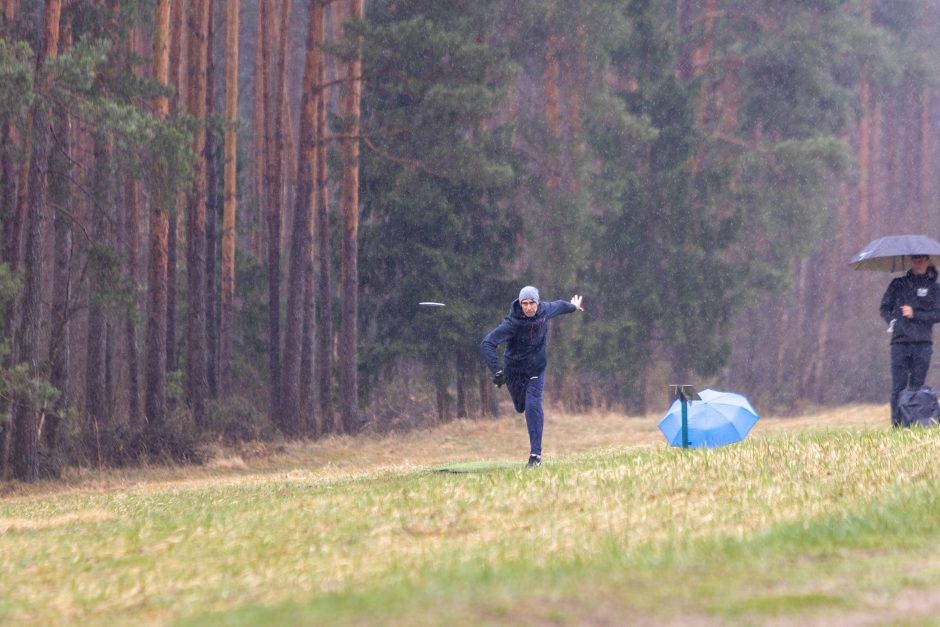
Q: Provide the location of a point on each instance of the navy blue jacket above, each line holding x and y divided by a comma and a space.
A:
920, 292
526, 339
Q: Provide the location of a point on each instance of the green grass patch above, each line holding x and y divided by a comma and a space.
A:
477, 466
822, 524
789, 603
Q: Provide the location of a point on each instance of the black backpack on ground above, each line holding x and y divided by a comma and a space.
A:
919, 407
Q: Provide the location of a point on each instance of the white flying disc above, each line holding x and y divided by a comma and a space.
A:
430, 304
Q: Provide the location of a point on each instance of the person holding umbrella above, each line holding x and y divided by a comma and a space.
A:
525, 332
911, 306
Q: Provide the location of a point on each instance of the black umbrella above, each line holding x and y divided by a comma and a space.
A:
893, 253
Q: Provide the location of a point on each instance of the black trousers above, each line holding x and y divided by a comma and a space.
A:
909, 365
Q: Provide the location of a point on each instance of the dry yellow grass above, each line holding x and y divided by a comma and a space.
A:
504, 438
29, 524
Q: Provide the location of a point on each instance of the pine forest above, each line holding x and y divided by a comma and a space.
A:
219, 216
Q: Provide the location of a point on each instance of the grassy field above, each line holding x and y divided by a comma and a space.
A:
830, 518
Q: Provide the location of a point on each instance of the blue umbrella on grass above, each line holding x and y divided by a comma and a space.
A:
719, 418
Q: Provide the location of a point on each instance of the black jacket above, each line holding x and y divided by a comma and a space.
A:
526, 339
920, 292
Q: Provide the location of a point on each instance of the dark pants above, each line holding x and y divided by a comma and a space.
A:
526, 396
909, 364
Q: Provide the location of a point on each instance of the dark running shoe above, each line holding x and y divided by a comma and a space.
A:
534, 461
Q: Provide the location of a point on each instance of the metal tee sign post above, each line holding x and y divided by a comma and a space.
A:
684, 393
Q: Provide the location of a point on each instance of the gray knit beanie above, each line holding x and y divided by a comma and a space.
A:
529, 293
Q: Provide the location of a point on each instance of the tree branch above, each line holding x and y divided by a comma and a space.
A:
765, 24
743, 143
414, 163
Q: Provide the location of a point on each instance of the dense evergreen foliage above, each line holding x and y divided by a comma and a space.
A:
438, 222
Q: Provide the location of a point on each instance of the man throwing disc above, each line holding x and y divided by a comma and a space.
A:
525, 333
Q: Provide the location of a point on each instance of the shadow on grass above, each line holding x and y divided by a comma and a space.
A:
458, 468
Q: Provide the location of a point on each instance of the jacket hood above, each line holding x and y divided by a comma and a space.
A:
930, 275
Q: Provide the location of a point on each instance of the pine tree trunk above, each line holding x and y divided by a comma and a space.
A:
178, 53
348, 350
110, 356
483, 389
788, 351
9, 251
9, 256
155, 396
730, 100
25, 445
864, 139
132, 203
926, 163
704, 52
686, 47
290, 419
864, 144
551, 87
178, 76
113, 226
811, 381
8, 187
440, 392
196, 353
907, 132
309, 422
277, 195
274, 191
309, 365
12, 180
330, 420
212, 212
133, 199
96, 387
702, 58
155, 401
259, 133
9, 12
9, 247
172, 249
60, 170
574, 74
14, 221
891, 152
289, 159
22, 204
227, 321
461, 363
552, 120
874, 171
26, 417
